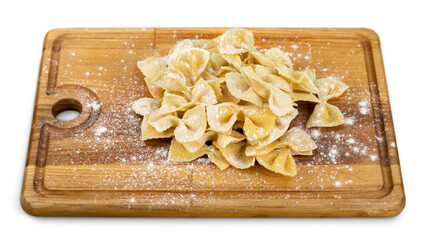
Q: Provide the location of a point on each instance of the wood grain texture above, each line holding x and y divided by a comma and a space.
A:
97, 165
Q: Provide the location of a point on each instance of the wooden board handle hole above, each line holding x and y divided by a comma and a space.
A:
67, 109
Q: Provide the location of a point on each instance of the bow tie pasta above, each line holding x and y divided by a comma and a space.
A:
225, 99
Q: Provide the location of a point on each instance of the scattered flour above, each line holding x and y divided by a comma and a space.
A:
333, 154
162, 152
364, 111
380, 139
350, 120
315, 133
364, 107
96, 106
100, 130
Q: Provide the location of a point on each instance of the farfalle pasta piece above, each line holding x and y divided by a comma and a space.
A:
277, 82
257, 84
216, 157
192, 126
256, 150
203, 93
149, 132
258, 122
279, 101
162, 123
189, 43
330, 88
184, 44
308, 97
287, 73
306, 153
226, 69
207, 75
234, 154
144, 106
216, 62
154, 90
221, 91
226, 95
172, 102
235, 41
198, 144
272, 58
151, 66
305, 81
240, 88
234, 60
298, 140
178, 153
281, 126
215, 84
279, 161
221, 117
247, 58
172, 80
325, 115
166, 116
262, 70
276, 59
190, 61
224, 139
279, 57
212, 45
263, 60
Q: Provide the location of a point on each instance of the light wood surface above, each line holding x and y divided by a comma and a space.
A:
97, 165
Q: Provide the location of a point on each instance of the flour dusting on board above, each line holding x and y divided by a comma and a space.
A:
100, 130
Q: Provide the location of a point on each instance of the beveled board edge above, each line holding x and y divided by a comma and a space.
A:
390, 204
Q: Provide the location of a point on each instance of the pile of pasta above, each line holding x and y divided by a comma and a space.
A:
225, 99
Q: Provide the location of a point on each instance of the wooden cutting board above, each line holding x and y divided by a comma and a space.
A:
97, 165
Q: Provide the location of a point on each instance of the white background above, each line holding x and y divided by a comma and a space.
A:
24, 24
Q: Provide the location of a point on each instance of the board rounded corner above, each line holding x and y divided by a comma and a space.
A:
27, 205
395, 202
400, 204
53, 33
370, 34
